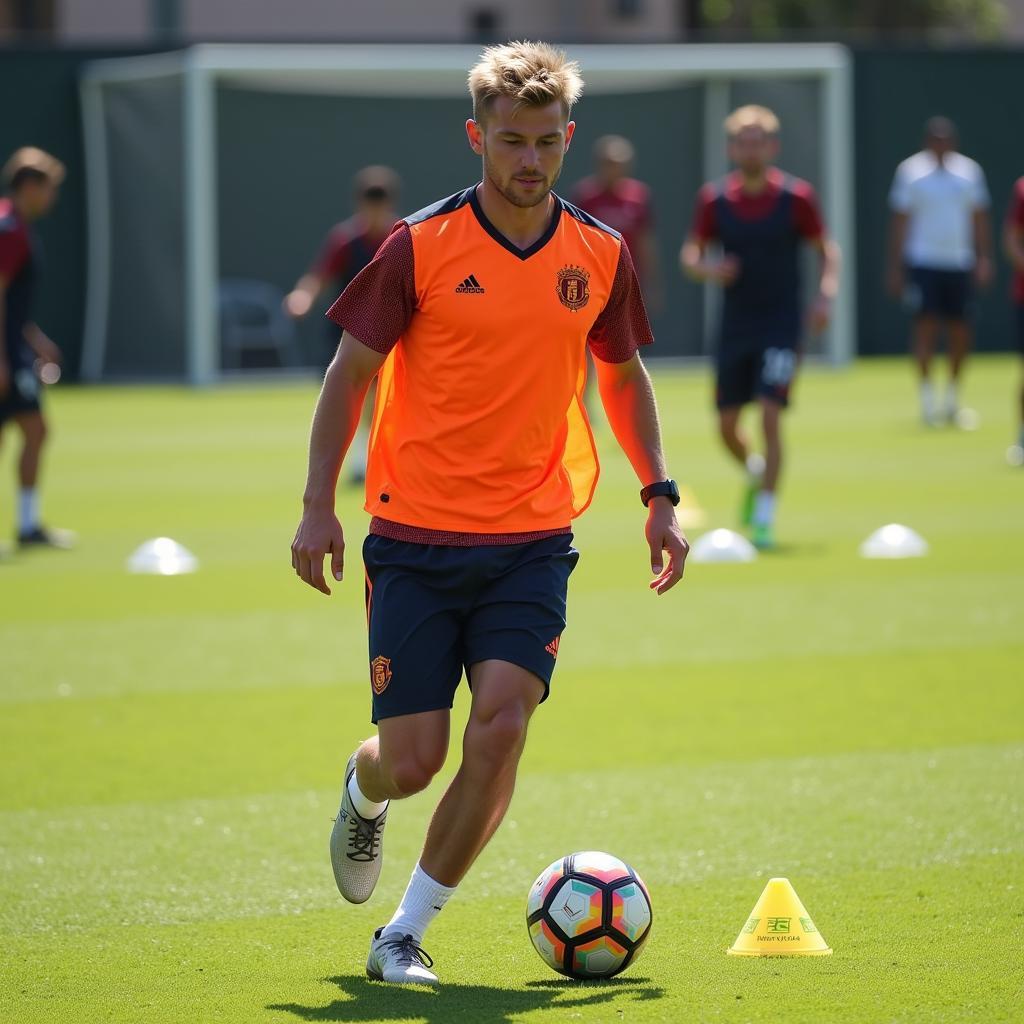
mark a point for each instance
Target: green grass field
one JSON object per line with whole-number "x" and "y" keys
{"x": 171, "y": 748}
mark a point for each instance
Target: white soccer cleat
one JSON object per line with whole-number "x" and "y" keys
{"x": 399, "y": 959}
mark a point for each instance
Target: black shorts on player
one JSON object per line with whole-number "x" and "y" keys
{"x": 434, "y": 610}
{"x": 23, "y": 394}
{"x": 942, "y": 293}
{"x": 747, "y": 372}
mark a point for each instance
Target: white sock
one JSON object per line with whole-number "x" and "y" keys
{"x": 1020, "y": 440}
{"x": 764, "y": 508}
{"x": 423, "y": 901}
{"x": 927, "y": 399}
{"x": 365, "y": 807}
{"x": 28, "y": 509}
{"x": 951, "y": 397}
{"x": 755, "y": 466}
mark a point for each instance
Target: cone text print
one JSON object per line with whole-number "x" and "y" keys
{"x": 779, "y": 925}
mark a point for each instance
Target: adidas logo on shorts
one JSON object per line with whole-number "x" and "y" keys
{"x": 471, "y": 286}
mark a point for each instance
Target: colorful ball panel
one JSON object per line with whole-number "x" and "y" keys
{"x": 598, "y": 959}
{"x": 602, "y": 866}
{"x": 631, "y": 911}
{"x": 548, "y": 945}
{"x": 546, "y": 881}
{"x": 577, "y": 907}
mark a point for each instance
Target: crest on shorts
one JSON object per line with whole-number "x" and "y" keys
{"x": 573, "y": 287}
{"x": 380, "y": 674}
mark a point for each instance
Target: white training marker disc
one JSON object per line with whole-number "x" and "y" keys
{"x": 722, "y": 546}
{"x": 894, "y": 541}
{"x": 162, "y": 556}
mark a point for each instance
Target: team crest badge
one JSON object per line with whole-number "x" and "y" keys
{"x": 380, "y": 674}
{"x": 573, "y": 287}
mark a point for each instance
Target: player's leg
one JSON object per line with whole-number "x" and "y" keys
{"x": 34, "y": 433}
{"x": 735, "y": 385}
{"x": 415, "y": 666}
{"x": 778, "y": 372}
{"x": 925, "y": 301}
{"x": 956, "y": 303}
{"x": 925, "y": 337}
{"x": 1015, "y": 453}
{"x": 511, "y": 636}
{"x": 504, "y": 698}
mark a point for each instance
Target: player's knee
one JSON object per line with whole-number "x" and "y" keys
{"x": 413, "y": 774}
{"x": 499, "y": 738}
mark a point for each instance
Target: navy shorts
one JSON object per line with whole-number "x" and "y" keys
{"x": 434, "y": 611}
{"x": 23, "y": 395}
{"x": 943, "y": 293}
{"x": 747, "y": 372}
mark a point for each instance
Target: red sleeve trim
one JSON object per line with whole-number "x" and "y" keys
{"x": 1015, "y": 215}
{"x": 334, "y": 254}
{"x": 622, "y": 326}
{"x": 14, "y": 253}
{"x": 806, "y": 214}
{"x": 377, "y": 306}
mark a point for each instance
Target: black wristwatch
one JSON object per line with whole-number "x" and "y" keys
{"x": 662, "y": 489}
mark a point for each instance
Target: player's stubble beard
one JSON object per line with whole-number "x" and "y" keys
{"x": 508, "y": 190}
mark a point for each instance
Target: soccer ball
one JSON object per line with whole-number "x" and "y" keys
{"x": 589, "y": 915}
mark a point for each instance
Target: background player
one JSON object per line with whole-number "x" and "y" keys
{"x": 940, "y": 232}
{"x": 614, "y": 197}
{"x": 477, "y": 313}
{"x": 760, "y": 216}
{"x": 1013, "y": 242}
{"x": 348, "y": 247}
{"x": 33, "y": 179}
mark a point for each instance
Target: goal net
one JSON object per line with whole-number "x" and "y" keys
{"x": 224, "y": 164}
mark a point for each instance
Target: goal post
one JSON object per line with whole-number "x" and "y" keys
{"x": 163, "y": 116}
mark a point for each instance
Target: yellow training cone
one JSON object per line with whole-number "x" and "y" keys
{"x": 779, "y": 925}
{"x": 689, "y": 513}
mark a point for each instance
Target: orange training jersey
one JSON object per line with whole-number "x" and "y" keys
{"x": 479, "y": 427}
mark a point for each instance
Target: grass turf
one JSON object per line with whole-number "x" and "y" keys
{"x": 170, "y": 749}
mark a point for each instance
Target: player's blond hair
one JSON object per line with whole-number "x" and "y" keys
{"x": 751, "y": 116}
{"x": 533, "y": 74}
{"x": 33, "y": 162}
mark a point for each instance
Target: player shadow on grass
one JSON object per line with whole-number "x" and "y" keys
{"x": 479, "y": 1004}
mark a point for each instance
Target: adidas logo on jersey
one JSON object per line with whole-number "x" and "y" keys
{"x": 471, "y": 286}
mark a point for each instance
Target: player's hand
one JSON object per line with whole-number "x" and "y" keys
{"x": 895, "y": 283}
{"x": 820, "y": 314}
{"x": 297, "y": 303}
{"x": 984, "y": 272}
{"x": 318, "y": 535}
{"x": 663, "y": 534}
{"x": 725, "y": 271}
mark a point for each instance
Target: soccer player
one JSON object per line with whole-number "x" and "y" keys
{"x": 940, "y": 235}
{"x": 349, "y": 246}
{"x": 759, "y": 216}
{"x": 611, "y": 195}
{"x": 476, "y": 313}
{"x": 33, "y": 180}
{"x": 1013, "y": 241}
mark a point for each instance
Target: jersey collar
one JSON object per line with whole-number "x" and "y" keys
{"x": 523, "y": 254}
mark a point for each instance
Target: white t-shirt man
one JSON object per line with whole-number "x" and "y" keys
{"x": 939, "y": 199}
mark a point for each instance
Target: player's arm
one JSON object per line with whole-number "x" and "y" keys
{"x": 1013, "y": 244}
{"x": 334, "y": 425}
{"x": 628, "y": 399}
{"x": 894, "y": 282}
{"x": 300, "y": 299}
{"x": 697, "y": 261}
{"x": 829, "y": 263}
{"x": 984, "y": 269}
{"x": 40, "y": 343}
